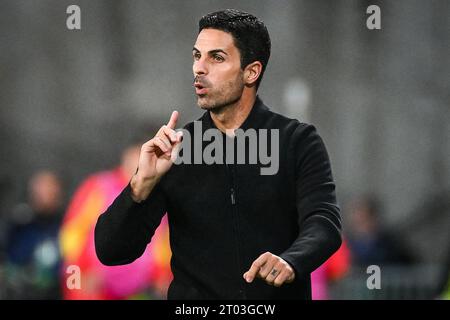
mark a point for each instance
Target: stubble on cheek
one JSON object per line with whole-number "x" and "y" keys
{"x": 227, "y": 94}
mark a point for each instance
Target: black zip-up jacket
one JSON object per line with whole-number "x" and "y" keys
{"x": 222, "y": 217}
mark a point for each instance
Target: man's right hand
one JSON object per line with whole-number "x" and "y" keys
{"x": 156, "y": 158}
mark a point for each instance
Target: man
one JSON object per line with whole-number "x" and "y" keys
{"x": 235, "y": 233}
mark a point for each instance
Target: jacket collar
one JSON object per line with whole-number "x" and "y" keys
{"x": 254, "y": 120}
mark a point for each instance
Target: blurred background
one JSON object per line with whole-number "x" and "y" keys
{"x": 76, "y": 104}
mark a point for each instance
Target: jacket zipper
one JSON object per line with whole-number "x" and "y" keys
{"x": 231, "y": 170}
{"x": 233, "y": 200}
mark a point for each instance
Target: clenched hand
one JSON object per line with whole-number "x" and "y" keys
{"x": 272, "y": 269}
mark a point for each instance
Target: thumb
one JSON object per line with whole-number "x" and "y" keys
{"x": 176, "y": 146}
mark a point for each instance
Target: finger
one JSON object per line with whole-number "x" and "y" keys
{"x": 170, "y": 133}
{"x": 281, "y": 278}
{"x": 165, "y": 140}
{"x": 163, "y": 146}
{"x": 264, "y": 272}
{"x": 179, "y": 136}
{"x": 256, "y": 265}
{"x": 252, "y": 272}
{"x": 176, "y": 147}
{"x": 290, "y": 277}
{"x": 158, "y": 143}
{"x": 173, "y": 120}
{"x": 273, "y": 272}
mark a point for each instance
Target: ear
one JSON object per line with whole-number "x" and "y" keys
{"x": 252, "y": 72}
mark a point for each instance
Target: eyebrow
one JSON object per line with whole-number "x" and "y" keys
{"x": 211, "y": 51}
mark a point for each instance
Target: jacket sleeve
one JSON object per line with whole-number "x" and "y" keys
{"x": 123, "y": 231}
{"x": 318, "y": 213}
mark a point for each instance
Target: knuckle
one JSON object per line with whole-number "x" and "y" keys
{"x": 148, "y": 144}
{"x": 273, "y": 263}
{"x": 157, "y": 140}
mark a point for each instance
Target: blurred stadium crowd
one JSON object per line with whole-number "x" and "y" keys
{"x": 42, "y": 236}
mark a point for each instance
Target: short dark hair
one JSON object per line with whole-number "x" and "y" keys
{"x": 249, "y": 33}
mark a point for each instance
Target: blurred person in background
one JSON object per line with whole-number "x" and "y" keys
{"x": 369, "y": 242}
{"x": 32, "y": 252}
{"x": 146, "y": 278}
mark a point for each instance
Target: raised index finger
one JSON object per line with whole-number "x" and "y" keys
{"x": 173, "y": 120}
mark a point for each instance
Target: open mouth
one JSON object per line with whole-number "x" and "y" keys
{"x": 200, "y": 89}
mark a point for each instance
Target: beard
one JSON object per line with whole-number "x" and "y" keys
{"x": 225, "y": 96}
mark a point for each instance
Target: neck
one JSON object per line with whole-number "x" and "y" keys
{"x": 232, "y": 116}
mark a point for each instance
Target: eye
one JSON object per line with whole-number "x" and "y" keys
{"x": 196, "y": 55}
{"x": 218, "y": 58}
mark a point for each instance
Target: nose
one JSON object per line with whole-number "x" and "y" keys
{"x": 199, "y": 67}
